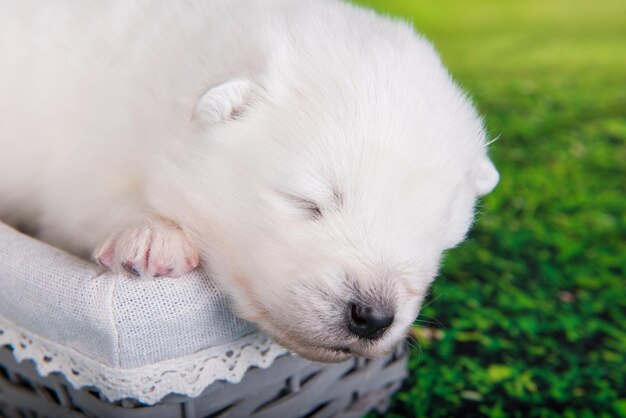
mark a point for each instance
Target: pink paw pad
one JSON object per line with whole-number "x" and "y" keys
{"x": 156, "y": 249}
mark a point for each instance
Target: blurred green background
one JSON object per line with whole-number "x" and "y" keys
{"x": 527, "y": 318}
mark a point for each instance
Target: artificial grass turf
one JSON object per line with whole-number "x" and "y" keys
{"x": 527, "y": 318}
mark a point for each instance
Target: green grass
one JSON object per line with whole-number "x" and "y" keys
{"x": 527, "y": 318}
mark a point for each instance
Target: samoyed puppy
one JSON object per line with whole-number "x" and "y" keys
{"x": 313, "y": 157}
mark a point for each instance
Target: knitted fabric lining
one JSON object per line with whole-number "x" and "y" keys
{"x": 127, "y": 337}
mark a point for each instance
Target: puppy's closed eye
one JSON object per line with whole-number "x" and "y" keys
{"x": 311, "y": 208}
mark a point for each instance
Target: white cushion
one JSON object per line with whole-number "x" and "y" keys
{"x": 114, "y": 321}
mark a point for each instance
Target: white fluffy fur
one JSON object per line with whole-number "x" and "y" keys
{"x": 307, "y": 150}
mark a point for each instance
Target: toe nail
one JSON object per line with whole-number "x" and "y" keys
{"x": 101, "y": 262}
{"x": 130, "y": 267}
{"x": 163, "y": 272}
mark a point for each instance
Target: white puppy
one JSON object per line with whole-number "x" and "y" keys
{"x": 317, "y": 158}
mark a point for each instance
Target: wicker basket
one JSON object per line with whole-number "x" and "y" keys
{"x": 291, "y": 387}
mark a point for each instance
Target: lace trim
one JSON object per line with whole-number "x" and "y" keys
{"x": 188, "y": 375}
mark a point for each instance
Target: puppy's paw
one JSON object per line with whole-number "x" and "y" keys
{"x": 157, "y": 248}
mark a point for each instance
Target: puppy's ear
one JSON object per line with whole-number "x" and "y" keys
{"x": 485, "y": 176}
{"x": 224, "y": 101}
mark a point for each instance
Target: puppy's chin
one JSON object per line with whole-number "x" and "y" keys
{"x": 318, "y": 353}
{"x": 331, "y": 353}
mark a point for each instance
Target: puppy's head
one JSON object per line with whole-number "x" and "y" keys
{"x": 322, "y": 197}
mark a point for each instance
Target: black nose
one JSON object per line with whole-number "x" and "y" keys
{"x": 367, "y": 322}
